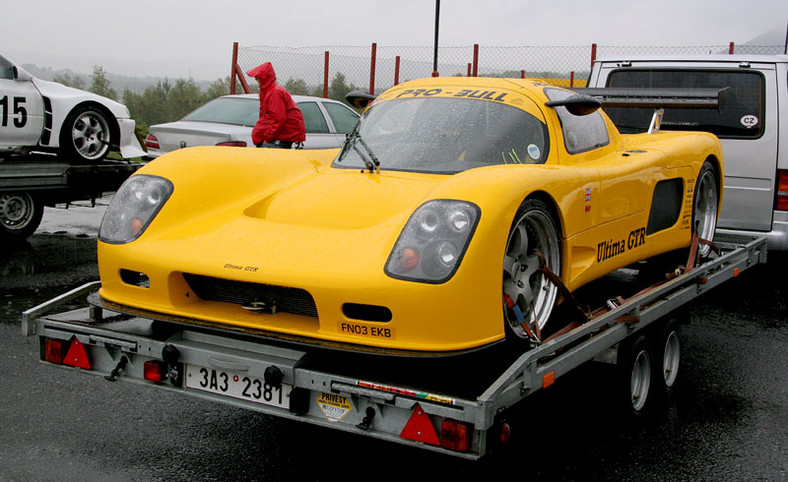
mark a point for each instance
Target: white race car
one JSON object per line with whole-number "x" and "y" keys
{"x": 37, "y": 115}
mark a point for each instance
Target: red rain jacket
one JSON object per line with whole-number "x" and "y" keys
{"x": 280, "y": 118}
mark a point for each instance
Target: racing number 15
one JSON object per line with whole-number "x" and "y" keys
{"x": 20, "y": 113}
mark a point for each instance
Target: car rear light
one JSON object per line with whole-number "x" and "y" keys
{"x": 782, "y": 190}
{"x": 151, "y": 142}
{"x": 155, "y": 371}
{"x": 232, "y": 144}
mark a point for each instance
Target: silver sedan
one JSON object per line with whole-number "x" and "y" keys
{"x": 228, "y": 121}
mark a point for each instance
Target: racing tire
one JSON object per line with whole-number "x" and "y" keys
{"x": 20, "y": 215}
{"x": 86, "y": 135}
{"x": 635, "y": 361}
{"x": 705, "y": 206}
{"x": 529, "y": 294}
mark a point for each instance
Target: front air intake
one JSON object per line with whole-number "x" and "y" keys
{"x": 286, "y": 300}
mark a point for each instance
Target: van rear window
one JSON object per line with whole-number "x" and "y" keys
{"x": 741, "y": 117}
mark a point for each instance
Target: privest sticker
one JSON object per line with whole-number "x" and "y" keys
{"x": 334, "y": 406}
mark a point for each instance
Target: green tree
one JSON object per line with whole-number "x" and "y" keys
{"x": 100, "y": 84}
{"x": 66, "y": 79}
{"x": 296, "y": 87}
{"x": 339, "y": 87}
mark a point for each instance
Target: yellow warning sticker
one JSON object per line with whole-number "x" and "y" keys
{"x": 334, "y": 406}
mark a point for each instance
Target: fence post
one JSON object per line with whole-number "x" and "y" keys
{"x": 572, "y": 78}
{"x": 522, "y": 74}
{"x": 325, "y": 76}
{"x": 593, "y": 55}
{"x": 372, "y": 68}
{"x": 730, "y": 49}
{"x": 475, "y": 60}
{"x": 396, "y": 70}
{"x": 232, "y": 69}
{"x": 469, "y": 69}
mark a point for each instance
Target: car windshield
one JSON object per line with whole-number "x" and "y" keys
{"x": 227, "y": 110}
{"x": 446, "y": 135}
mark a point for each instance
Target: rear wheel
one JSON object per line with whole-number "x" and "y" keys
{"x": 528, "y": 293}
{"x": 705, "y": 206}
{"x": 20, "y": 215}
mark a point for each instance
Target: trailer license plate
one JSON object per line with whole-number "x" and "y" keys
{"x": 237, "y": 385}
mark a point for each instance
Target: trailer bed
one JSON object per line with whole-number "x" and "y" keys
{"x": 451, "y": 404}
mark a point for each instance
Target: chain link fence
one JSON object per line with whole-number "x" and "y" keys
{"x": 351, "y": 67}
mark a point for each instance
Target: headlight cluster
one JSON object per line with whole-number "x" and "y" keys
{"x": 433, "y": 242}
{"x": 133, "y": 207}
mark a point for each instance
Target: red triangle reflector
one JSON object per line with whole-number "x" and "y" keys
{"x": 420, "y": 428}
{"x": 77, "y": 356}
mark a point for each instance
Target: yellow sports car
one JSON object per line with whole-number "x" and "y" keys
{"x": 457, "y": 215}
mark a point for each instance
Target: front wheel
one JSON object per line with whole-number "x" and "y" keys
{"x": 528, "y": 292}
{"x": 85, "y": 135}
{"x": 20, "y": 215}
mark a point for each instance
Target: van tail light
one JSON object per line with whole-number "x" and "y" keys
{"x": 782, "y": 190}
{"x": 152, "y": 142}
{"x": 232, "y": 144}
{"x": 454, "y": 435}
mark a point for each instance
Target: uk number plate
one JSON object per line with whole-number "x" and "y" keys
{"x": 237, "y": 385}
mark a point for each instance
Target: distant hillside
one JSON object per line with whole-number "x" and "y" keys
{"x": 120, "y": 83}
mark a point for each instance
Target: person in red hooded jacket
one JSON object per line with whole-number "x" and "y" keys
{"x": 281, "y": 123}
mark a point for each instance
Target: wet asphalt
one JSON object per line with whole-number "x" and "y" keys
{"x": 727, "y": 419}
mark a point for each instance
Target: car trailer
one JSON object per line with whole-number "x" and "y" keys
{"x": 398, "y": 399}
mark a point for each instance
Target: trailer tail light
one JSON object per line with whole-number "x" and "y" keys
{"x": 232, "y": 144}
{"x": 782, "y": 190}
{"x": 152, "y": 142}
{"x": 155, "y": 371}
{"x": 454, "y": 435}
{"x": 54, "y": 351}
{"x": 62, "y": 352}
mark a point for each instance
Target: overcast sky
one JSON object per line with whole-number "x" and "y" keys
{"x": 194, "y": 38}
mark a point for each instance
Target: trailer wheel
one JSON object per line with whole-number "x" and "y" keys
{"x": 635, "y": 364}
{"x": 528, "y": 293}
{"x": 669, "y": 348}
{"x": 20, "y": 215}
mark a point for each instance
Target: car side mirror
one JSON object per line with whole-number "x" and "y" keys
{"x": 577, "y": 104}
{"x": 359, "y": 98}
{"x": 21, "y": 74}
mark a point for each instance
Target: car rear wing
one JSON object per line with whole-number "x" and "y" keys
{"x": 658, "y": 99}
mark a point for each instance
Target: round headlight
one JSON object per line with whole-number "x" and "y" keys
{"x": 459, "y": 221}
{"x": 429, "y": 220}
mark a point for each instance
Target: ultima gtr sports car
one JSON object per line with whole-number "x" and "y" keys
{"x": 458, "y": 213}
{"x": 37, "y": 114}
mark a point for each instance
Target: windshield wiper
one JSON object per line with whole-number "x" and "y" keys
{"x": 367, "y": 155}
